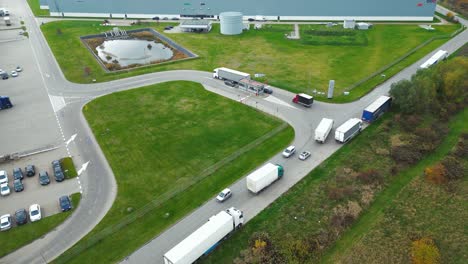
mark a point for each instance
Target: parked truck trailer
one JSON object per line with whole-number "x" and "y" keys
{"x": 263, "y": 177}
{"x": 303, "y": 99}
{"x": 323, "y": 129}
{"x": 231, "y": 75}
{"x": 376, "y": 109}
{"x": 7, "y": 20}
{"x": 348, "y": 130}
{"x": 205, "y": 238}
{"x": 5, "y": 102}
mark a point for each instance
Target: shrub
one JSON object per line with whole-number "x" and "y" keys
{"x": 424, "y": 251}
{"x": 299, "y": 250}
{"x": 339, "y": 193}
{"x": 260, "y": 250}
{"x": 406, "y": 154}
{"x": 454, "y": 168}
{"x": 370, "y": 176}
{"x": 436, "y": 174}
{"x": 461, "y": 150}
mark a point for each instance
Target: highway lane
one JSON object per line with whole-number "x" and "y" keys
{"x": 99, "y": 187}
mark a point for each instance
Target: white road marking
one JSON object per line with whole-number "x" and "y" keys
{"x": 71, "y": 139}
{"x": 275, "y": 100}
{"x": 58, "y": 102}
{"x": 83, "y": 168}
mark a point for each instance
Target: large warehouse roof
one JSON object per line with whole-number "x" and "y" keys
{"x": 268, "y": 8}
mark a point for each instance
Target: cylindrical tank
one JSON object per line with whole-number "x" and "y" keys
{"x": 231, "y": 23}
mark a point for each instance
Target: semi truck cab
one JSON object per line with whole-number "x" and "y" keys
{"x": 237, "y": 216}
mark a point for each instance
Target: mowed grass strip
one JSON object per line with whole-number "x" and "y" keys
{"x": 19, "y": 236}
{"x": 371, "y": 217}
{"x": 295, "y": 65}
{"x": 160, "y": 137}
{"x": 35, "y": 8}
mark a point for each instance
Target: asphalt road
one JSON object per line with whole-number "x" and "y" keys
{"x": 99, "y": 186}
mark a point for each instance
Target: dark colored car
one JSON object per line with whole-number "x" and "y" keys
{"x": 155, "y": 18}
{"x": 44, "y": 178}
{"x": 18, "y": 185}
{"x": 65, "y": 203}
{"x": 58, "y": 173}
{"x": 230, "y": 83}
{"x": 18, "y": 174}
{"x": 267, "y": 90}
{"x": 251, "y": 20}
{"x": 56, "y": 163}
{"x": 30, "y": 170}
{"x": 21, "y": 217}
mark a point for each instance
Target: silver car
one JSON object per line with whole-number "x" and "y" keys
{"x": 224, "y": 195}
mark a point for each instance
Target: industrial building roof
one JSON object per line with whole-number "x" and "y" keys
{"x": 414, "y": 8}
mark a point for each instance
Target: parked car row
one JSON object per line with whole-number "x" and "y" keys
{"x": 30, "y": 171}
{"x": 14, "y": 73}
{"x": 34, "y": 214}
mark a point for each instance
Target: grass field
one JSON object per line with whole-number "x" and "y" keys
{"x": 304, "y": 211}
{"x": 159, "y": 140}
{"x": 68, "y": 167}
{"x": 303, "y": 65}
{"x": 34, "y": 5}
{"x": 393, "y": 209}
{"x": 22, "y": 235}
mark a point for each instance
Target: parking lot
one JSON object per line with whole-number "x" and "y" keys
{"x": 30, "y": 126}
{"x": 46, "y": 196}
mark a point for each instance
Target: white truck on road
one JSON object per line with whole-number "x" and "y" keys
{"x": 323, "y": 129}
{"x": 206, "y": 238}
{"x": 230, "y": 75}
{"x": 348, "y": 130}
{"x": 266, "y": 175}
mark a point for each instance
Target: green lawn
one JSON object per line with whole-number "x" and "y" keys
{"x": 386, "y": 209}
{"x": 302, "y": 65}
{"x": 22, "y": 235}
{"x": 171, "y": 146}
{"x": 68, "y": 167}
{"x": 34, "y": 5}
{"x": 305, "y": 210}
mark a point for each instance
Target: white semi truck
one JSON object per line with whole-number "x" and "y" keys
{"x": 230, "y": 75}
{"x": 323, "y": 129}
{"x": 348, "y": 130}
{"x": 266, "y": 175}
{"x": 205, "y": 238}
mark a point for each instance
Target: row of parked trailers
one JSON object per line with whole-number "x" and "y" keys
{"x": 353, "y": 126}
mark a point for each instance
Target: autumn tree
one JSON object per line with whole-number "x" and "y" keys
{"x": 424, "y": 251}
{"x": 436, "y": 174}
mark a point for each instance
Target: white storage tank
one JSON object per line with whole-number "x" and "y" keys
{"x": 231, "y": 23}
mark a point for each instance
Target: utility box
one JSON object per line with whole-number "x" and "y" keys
{"x": 331, "y": 88}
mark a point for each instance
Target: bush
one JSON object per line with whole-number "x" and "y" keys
{"x": 406, "y": 154}
{"x": 409, "y": 122}
{"x": 260, "y": 250}
{"x": 436, "y": 174}
{"x": 370, "y": 177}
{"x": 454, "y": 168}
{"x": 340, "y": 193}
{"x": 461, "y": 150}
{"x": 424, "y": 251}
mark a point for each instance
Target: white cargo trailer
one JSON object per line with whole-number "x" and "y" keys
{"x": 434, "y": 59}
{"x": 323, "y": 129}
{"x": 205, "y": 238}
{"x": 348, "y": 130}
{"x": 266, "y": 175}
{"x": 231, "y": 75}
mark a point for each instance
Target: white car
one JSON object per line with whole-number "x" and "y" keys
{"x": 4, "y": 189}
{"x": 5, "y": 222}
{"x": 3, "y": 177}
{"x": 289, "y": 151}
{"x": 224, "y": 195}
{"x": 304, "y": 155}
{"x": 35, "y": 213}
{"x": 18, "y": 69}
{"x": 14, "y": 74}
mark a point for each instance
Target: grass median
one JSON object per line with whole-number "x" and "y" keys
{"x": 301, "y": 65}
{"x": 165, "y": 144}
{"x": 20, "y": 236}
{"x": 35, "y": 8}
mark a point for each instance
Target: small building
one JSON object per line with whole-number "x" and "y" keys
{"x": 363, "y": 26}
{"x": 195, "y": 25}
{"x": 349, "y": 23}
{"x": 251, "y": 86}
